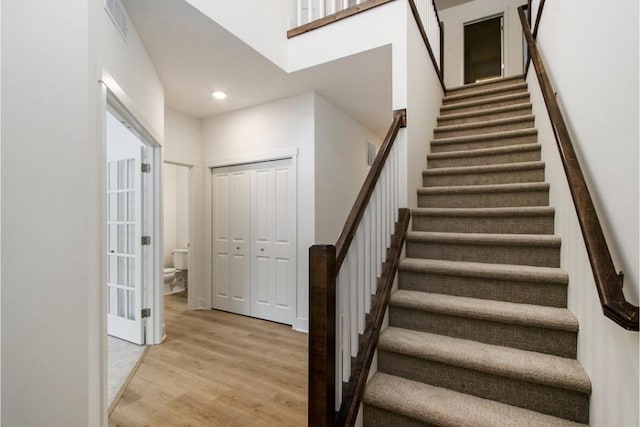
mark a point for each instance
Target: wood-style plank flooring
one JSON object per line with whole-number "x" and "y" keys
{"x": 218, "y": 369}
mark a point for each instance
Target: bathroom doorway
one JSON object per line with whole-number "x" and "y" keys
{"x": 176, "y": 228}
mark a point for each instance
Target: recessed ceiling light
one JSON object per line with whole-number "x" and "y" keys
{"x": 219, "y": 95}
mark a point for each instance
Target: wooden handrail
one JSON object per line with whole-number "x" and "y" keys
{"x": 535, "y": 31}
{"x": 354, "y": 391}
{"x": 425, "y": 39}
{"x": 608, "y": 281}
{"x": 357, "y": 211}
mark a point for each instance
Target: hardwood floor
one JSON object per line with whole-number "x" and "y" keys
{"x": 218, "y": 369}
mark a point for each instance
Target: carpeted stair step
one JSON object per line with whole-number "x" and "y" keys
{"x": 485, "y": 156}
{"x": 483, "y": 104}
{"x": 539, "y": 382}
{"x": 394, "y": 401}
{"x": 486, "y": 84}
{"x": 485, "y": 196}
{"x": 487, "y": 140}
{"x": 502, "y": 282}
{"x": 483, "y": 93}
{"x": 488, "y": 126}
{"x": 486, "y": 114}
{"x": 509, "y": 173}
{"x": 548, "y": 330}
{"x": 518, "y": 249}
{"x": 520, "y": 220}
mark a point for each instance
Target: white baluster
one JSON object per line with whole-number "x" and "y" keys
{"x": 366, "y": 220}
{"x": 379, "y": 242}
{"x": 345, "y": 4}
{"x": 322, "y": 9}
{"x": 309, "y": 11}
{"x": 363, "y": 295}
{"x": 346, "y": 320}
{"x": 353, "y": 299}
{"x": 299, "y": 12}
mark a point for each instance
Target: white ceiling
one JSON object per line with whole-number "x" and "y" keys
{"x": 193, "y": 55}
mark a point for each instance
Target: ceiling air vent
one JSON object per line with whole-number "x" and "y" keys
{"x": 118, "y": 15}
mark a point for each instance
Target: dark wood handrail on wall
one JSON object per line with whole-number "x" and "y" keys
{"x": 608, "y": 281}
{"x": 324, "y": 265}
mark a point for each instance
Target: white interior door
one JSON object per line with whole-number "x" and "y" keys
{"x": 124, "y": 252}
{"x": 231, "y": 221}
{"x": 254, "y": 243}
{"x": 273, "y": 278}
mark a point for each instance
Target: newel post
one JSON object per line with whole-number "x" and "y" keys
{"x": 322, "y": 336}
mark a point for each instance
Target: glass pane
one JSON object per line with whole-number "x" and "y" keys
{"x": 131, "y": 305}
{"x": 112, "y": 208}
{"x": 113, "y": 176}
{"x": 131, "y": 270}
{"x": 131, "y": 206}
{"x": 122, "y": 296}
{"x": 131, "y": 168}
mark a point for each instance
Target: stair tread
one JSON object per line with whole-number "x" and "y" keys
{"x": 485, "y": 238}
{"x": 487, "y": 82}
{"x": 485, "y": 188}
{"x": 486, "y": 112}
{"x": 485, "y": 123}
{"x": 485, "y": 151}
{"x": 487, "y": 91}
{"x": 486, "y": 136}
{"x": 484, "y": 212}
{"x": 484, "y": 168}
{"x": 439, "y": 406}
{"x": 492, "y": 310}
{"x": 508, "y": 362}
{"x": 474, "y": 103}
{"x": 486, "y": 270}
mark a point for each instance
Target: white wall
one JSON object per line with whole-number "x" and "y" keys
{"x": 454, "y": 19}
{"x": 183, "y": 146}
{"x": 340, "y": 165}
{"x": 54, "y": 159}
{"x": 49, "y": 245}
{"x": 258, "y": 131}
{"x": 600, "y": 105}
{"x": 423, "y": 105}
{"x": 129, "y": 64}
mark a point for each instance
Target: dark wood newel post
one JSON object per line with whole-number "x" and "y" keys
{"x": 322, "y": 336}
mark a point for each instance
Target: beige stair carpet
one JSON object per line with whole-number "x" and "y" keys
{"x": 479, "y": 333}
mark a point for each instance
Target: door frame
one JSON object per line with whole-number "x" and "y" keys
{"x": 115, "y": 99}
{"x": 290, "y": 153}
{"x": 192, "y": 265}
{"x": 503, "y": 22}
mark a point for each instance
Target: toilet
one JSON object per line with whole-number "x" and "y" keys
{"x": 175, "y": 278}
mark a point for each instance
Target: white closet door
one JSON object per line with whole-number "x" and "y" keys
{"x": 231, "y": 207}
{"x": 273, "y": 278}
{"x": 254, "y": 243}
{"x": 124, "y": 256}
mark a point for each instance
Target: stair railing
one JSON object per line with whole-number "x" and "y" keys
{"x": 608, "y": 280}
{"x": 350, "y": 284}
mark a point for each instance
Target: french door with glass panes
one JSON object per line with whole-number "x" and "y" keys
{"x": 125, "y": 250}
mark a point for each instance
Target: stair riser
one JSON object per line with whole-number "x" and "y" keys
{"x": 549, "y": 400}
{"x": 488, "y": 178}
{"x": 532, "y": 338}
{"x": 483, "y": 130}
{"x": 488, "y": 143}
{"x": 485, "y": 200}
{"x": 490, "y": 103}
{"x": 444, "y": 121}
{"x": 451, "y": 99}
{"x": 496, "y": 83}
{"x": 479, "y": 224}
{"x": 537, "y": 256}
{"x": 377, "y": 417}
{"x": 551, "y": 295}
{"x": 491, "y": 159}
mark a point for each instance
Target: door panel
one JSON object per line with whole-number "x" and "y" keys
{"x": 259, "y": 249}
{"x": 124, "y": 254}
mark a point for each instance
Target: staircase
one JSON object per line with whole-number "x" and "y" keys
{"x": 479, "y": 333}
